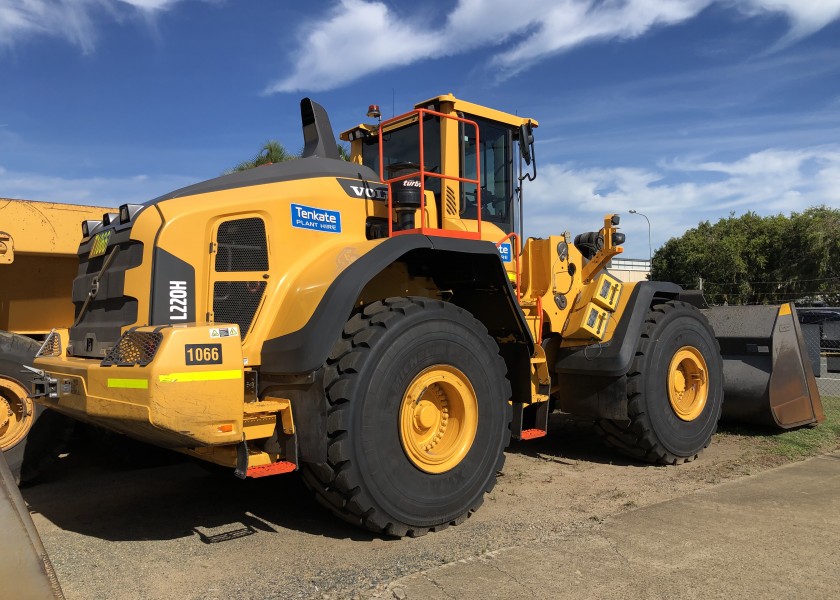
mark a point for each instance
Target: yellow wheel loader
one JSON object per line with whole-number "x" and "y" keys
{"x": 38, "y": 245}
{"x": 381, "y": 324}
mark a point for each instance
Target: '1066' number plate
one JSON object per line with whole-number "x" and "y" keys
{"x": 203, "y": 354}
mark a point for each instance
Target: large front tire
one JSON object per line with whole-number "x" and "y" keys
{"x": 418, "y": 418}
{"x": 674, "y": 389}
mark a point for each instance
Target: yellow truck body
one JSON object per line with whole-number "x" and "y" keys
{"x": 38, "y": 261}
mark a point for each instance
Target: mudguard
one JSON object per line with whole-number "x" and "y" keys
{"x": 592, "y": 379}
{"x": 471, "y": 269}
{"x": 613, "y": 358}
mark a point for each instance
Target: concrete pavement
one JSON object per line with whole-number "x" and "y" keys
{"x": 773, "y": 535}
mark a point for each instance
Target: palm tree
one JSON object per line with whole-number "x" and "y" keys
{"x": 271, "y": 152}
{"x": 343, "y": 152}
{"x": 274, "y": 152}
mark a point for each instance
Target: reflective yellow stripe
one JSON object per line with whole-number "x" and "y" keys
{"x": 784, "y": 309}
{"x": 137, "y": 384}
{"x": 201, "y": 376}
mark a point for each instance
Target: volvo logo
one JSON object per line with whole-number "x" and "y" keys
{"x": 372, "y": 193}
{"x": 359, "y": 188}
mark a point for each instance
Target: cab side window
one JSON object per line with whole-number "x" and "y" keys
{"x": 496, "y": 165}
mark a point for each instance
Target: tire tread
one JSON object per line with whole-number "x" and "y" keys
{"x": 634, "y": 437}
{"x": 333, "y": 484}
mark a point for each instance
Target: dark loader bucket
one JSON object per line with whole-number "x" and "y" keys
{"x": 767, "y": 376}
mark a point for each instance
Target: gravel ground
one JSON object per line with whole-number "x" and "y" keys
{"x": 178, "y": 531}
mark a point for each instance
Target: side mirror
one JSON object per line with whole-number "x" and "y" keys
{"x": 526, "y": 141}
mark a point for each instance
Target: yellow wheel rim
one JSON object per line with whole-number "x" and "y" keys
{"x": 688, "y": 383}
{"x": 438, "y": 419}
{"x": 17, "y": 413}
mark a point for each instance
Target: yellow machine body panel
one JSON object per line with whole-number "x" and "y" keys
{"x": 38, "y": 245}
{"x": 189, "y": 393}
{"x": 302, "y": 263}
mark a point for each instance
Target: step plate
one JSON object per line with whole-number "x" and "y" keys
{"x": 532, "y": 434}
{"x": 277, "y": 468}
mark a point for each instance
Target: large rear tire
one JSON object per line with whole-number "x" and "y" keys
{"x": 30, "y": 440}
{"x": 674, "y": 389}
{"x": 418, "y": 418}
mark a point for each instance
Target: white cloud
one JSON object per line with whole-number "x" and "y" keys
{"x": 96, "y": 191}
{"x": 675, "y": 196}
{"x": 356, "y": 38}
{"x": 360, "y": 37}
{"x": 681, "y": 193}
{"x": 68, "y": 19}
{"x": 806, "y": 17}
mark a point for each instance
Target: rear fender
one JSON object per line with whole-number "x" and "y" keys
{"x": 470, "y": 272}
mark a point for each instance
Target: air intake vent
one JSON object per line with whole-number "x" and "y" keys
{"x": 241, "y": 246}
{"x": 51, "y": 346}
{"x": 237, "y": 302}
{"x": 451, "y": 205}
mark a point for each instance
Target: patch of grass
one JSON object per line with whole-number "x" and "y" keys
{"x": 809, "y": 441}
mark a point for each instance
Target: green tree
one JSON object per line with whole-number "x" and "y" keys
{"x": 343, "y": 152}
{"x": 271, "y": 152}
{"x": 752, "y": 259}
{"x": 274, "y": 152}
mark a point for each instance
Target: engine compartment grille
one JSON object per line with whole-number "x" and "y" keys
{"x": 134, "y": 348}
{"x": 237, "y": 302}
{"x": 241, "y": 246}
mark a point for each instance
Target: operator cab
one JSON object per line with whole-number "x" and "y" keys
{"x": 464, "y": 156}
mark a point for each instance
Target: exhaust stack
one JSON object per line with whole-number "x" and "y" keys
{"x": 318, "y": 136}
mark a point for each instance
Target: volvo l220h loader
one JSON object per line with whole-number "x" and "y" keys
{"x": 380, "y": 324}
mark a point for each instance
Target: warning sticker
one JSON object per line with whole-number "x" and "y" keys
{"x": 221, "y": 332}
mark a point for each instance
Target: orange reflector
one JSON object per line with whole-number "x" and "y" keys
{"x": 225, "y": 428}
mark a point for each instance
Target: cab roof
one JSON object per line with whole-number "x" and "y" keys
{"x": 460, "y": 106}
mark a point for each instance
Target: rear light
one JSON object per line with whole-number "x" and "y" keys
{"x": 89, "y": 227}
{"x": 127, "y": 212}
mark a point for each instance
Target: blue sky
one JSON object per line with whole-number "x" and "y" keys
{"x": 683, "y": 110}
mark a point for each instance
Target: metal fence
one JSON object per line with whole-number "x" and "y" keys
{"x": 822, "y": 340}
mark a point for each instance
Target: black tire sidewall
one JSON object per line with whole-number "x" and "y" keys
{"x": 393, "y": 482}
{"x": 682, "y": 438}
{"x": 15, "y": 352}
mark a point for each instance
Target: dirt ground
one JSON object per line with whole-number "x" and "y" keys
{"x": 178, "y": 531}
